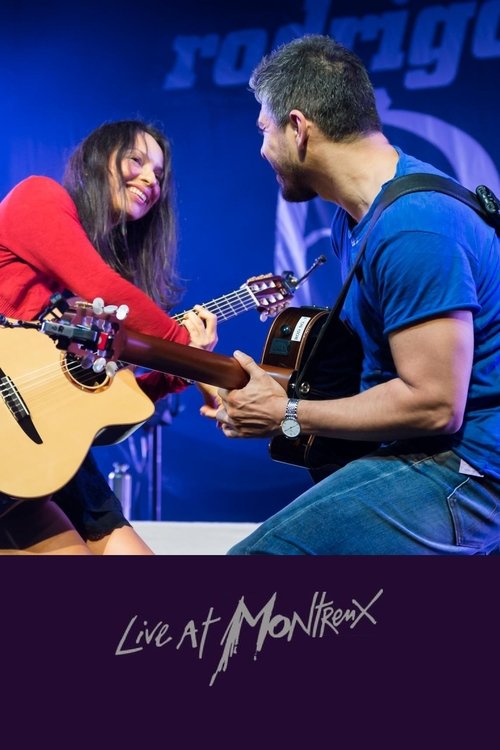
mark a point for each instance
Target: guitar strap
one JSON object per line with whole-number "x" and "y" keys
{"x": 483, "y": 201}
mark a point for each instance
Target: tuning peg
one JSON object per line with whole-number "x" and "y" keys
{"x": 111, "y": 368}
{"x": 110, "y": 309}
{"x": 98, "y": 305}
{"x": 87, "y": 361}
{"x": 99, "y": 364}
{"x": 122, "y": 312}
{"x": 264, "y": 316}
{"x": 258, "y": 278}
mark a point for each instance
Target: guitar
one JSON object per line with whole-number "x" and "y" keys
{"x": 289, "y": 343}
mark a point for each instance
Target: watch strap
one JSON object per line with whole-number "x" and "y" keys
{"x": 291, "y": 408}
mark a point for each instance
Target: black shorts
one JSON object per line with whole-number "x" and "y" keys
{"x": 87, "y": 501}
{"x": 90, "y": 504}
{"x": 24, "y": 523}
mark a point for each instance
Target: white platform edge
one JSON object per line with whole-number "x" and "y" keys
{"x": 191, "y": 538}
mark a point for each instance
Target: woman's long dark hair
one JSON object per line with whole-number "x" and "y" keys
{"x": 142, "y": 251}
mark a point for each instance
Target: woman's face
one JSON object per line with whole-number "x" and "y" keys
{"x": 139, "y": 189}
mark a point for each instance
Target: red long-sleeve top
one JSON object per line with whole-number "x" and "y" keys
{"x": 44, "y": 249}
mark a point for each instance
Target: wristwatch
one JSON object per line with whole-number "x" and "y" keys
{"x": 290, "y": 426}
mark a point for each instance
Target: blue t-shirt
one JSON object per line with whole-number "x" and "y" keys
{"x": 428, "y": 254}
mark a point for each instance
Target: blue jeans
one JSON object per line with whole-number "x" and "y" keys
{"x": 387, "y": 503}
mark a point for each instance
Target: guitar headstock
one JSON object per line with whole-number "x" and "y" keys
{"x": 91, "y": 332}
{"x": 272, "y": 293}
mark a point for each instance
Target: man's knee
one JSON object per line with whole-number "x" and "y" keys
{"x": 241, "y": 548}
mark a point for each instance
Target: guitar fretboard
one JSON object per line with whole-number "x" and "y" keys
{"x": 229, "y": 305}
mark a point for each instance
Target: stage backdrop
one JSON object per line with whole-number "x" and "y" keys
{"x": 66, "y": 68}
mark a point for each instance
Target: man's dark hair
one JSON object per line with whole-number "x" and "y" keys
{"x": 324, "y": 80}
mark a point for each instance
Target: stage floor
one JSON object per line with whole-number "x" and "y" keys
{"x": 191, "y": 538}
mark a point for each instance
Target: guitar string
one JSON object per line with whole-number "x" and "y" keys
{"x": 45, "y": 375}
{"x": 39, "y": 397}
{"x": 43, "y": 404}
{"x": 226, "y": 303}
{"x": 227, "y": 309}
{"x": 34, "y": 375}
{"x": 233, "y": 309}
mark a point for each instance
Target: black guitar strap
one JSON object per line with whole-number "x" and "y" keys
{"x": 483, "y": 201}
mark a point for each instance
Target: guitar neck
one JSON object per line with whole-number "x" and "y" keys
{"x": 182, "y": 361}
{"x": 191, "y": 363}
{"x": 229, "y": 305}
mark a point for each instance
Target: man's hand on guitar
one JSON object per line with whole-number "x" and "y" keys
{"x": 202, "y": 327}
{"x": 255, "y": 410}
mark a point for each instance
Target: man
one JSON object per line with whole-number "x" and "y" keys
{"x": 426, "y": 306}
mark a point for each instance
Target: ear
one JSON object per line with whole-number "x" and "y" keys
{"x": 300, "y": 127}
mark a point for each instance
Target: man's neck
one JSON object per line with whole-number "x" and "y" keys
{"x": 352, "y": 174}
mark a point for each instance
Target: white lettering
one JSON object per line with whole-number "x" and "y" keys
{"x": 182, "y": 75}
{"x": 299, "y": 329}
{"x": 315, "y": 21}
{"x": 391, "y": 26}
{"x": 438, "y": 41}
{"x": 239, "y": 54}
{"x": 435, "y": 48}
{"x": 486, "y": 41}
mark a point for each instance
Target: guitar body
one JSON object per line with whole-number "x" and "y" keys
{"x": 288, "y": 345}
{"x": 49, "y": 418}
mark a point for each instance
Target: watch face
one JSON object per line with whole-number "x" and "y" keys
{"x": 290, "y": 427}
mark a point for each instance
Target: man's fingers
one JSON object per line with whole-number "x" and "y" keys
{"x": 247, "y": 362}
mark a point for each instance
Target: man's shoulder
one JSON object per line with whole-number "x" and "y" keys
{"x": 408, "y": 164}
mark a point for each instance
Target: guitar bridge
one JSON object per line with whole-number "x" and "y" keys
{"x": 17, "y": 407}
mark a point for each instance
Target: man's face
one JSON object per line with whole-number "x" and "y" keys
{"x": 280, "y": 150}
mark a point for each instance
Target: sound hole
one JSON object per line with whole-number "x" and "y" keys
{"x": 83, "y": 376}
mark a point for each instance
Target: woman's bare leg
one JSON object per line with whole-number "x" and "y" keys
{"x": 122, "y": 541}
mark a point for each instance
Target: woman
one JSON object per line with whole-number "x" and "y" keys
{"x": 110, "y": 233}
